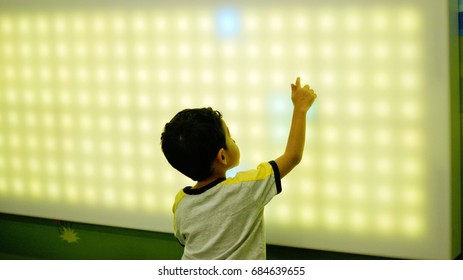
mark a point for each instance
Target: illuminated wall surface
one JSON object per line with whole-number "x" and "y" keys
{"x": 86, "y": 90}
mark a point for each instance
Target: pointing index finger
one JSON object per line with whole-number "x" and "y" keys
{"x": 298, "y": 82}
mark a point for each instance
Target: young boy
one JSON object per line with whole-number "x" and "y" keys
{"x": 222, "y": 218}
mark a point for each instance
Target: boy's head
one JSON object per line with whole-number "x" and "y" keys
{"x": 193, "y": 139}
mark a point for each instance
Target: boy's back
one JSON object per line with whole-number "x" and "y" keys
{"x": 224, "y": 220}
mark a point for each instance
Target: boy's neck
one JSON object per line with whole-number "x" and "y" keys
{"x": 209, "y": 180}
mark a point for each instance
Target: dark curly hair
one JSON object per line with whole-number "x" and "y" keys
{"x": 191, "y": 141}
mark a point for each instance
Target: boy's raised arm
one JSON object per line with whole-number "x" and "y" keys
{"x": 302, "y": 98}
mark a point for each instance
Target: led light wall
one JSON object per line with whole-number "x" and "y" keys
{"x": 86, "y": 90}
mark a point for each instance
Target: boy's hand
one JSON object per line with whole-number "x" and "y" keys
{"x": 302, "y": 97}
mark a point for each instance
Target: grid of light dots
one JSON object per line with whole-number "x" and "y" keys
{"x": 84, "y": 96}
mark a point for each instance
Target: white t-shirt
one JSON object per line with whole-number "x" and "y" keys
{"x": 224, "y": 220}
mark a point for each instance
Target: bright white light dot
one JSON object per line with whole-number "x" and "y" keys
{"x": 139, "y": 24}
{"x": 410, "y": 110}
{"x": 409, "y": 80}
{"x": 185, "y": 75}
{"x": 329, "y": 78}
{"x": 183, "y": 24}
{"x": 385, "y": 222}
{"x": 382, "y": 108}
{"x": 142, "y": 75}
{"x": 412, "y": 225}
{"x": 125, "y": 124}
{"x": 358, "y": 192}
{"x": 72, "y": 193}
{"x": 381, "y": 51}
{"x": 87, "y": 146}
{"x": 90, "y": 195}
{"x": 108, "y": 171}
{"x": 254, "y": 77}
{"x": 85, "y": 122}
{"x": 13, "y": 118}
{"x": 67, "y": 121}
{"x": 411, "y": 139}
{"x": 302, "y": 51}
{"x": 6, "y": 25}
{"x": 146, "y": 151}
{"x": 411, "y": 167}
{"x": 355, "y": 108}
{"x": 331, "y": 162}
{"x": 383, "y": 165}
{"x": 120, "y": 49}
{"x": 206, "y": 50}
{"x": 301, "y": 22}
{"x": 331, "y": 134}
{"x": 18, "y": 187}
{"x": 123, "y": 100}
{"x": 354, "y": 79}
{"x": 35, "y": 188}
{"x": 356, "y": 163}
{"x": 105, "y": 123}
{"x": 384, "y": 193}
{"x": 160, "y": 23}
{"x": 109, "y": 196}
{"x": 102, "y": 74}
{"x": 164, "y": 75}
{"x": 409, "y": 21}
{"x": 381, "y": 80}
{"x": 327, "y": 22}
{"x": 409, "y": 51}
{"x": 329, "y": 107}
{"x": 99, "y": 24}
{"x": 332, "y": 218}
{"x": 129, "y": 199}
{"x": 230, "y": 76}
{"x": 69, "y": 168}
{"x": 49, "y": 120}
{"x": 205, "y": 24}
{"x": 358, "y": 219}
{"x": 356, "y": 135}
{"x": 82, "y": 74}
{"x": 126, "y": 149}
{"x": 284, "y": 214}
{"x": 380, "y": 21}
{"x": 353, "y": 50}
{"x": 24, "y": 25}
{"x": 353, "y": 22}
{"x": 331, "y": 190}
{"x": 231, "y": 103}
{"x": 184, "y": 50}
{"x": 147, "y": 175}
{"x": 251, "y": 23}
{"x": 53, "y": 191}
{"x": 276, "y": 23}
{"x": 149, "y": 201}
{"x": 63, "y": 74}
{"x": 229, "y": 50}
{"x": 140, "y": 50}
{"x": 328, "y": 51}
{"x": 68, "y": 145}
{"x": 412, "y": 196}
{"x": 119, "y": 24}
{"x": 128, "y": 173}
{"x": 276, "y": 51}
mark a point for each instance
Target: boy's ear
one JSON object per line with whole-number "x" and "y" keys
{"x": 221, "y": 156}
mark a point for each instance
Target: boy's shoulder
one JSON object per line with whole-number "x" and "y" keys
{"x": 263, "y": 171}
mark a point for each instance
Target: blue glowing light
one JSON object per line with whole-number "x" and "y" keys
{"x": 228, "y": 22}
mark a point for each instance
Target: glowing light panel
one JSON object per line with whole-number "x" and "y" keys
{"x": 85, "y": 93}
